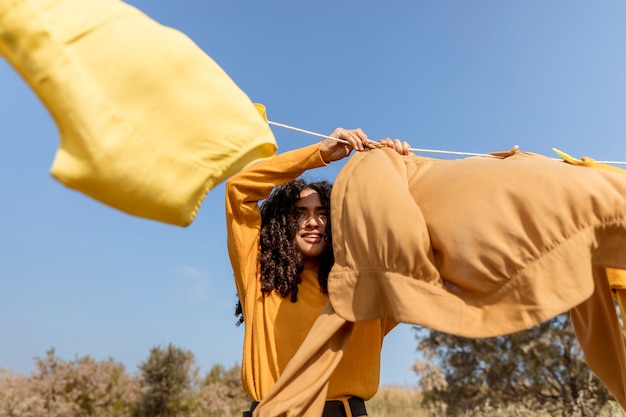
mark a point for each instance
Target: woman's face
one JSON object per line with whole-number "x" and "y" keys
{"x": 312, "y": 219}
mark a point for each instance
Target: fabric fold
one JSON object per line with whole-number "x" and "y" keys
{"x": 311, "y": 367}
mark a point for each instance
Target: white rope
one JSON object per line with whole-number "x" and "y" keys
{"x": 296, "y": 129}
{"x": 417, "y": 150}
{"x": 308, "y": 132}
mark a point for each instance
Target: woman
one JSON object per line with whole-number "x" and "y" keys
{"x": 281, "y": 254}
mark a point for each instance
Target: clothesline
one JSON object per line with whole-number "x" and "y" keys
{"x": 415, "y": 150}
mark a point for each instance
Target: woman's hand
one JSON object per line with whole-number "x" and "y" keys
{"x": 332, "y": 150}
{"x": 402, "y": 148}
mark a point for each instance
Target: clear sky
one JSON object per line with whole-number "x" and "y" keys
{"x": 455, "y": 75}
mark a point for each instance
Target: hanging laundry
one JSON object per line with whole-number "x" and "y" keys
{"x": 476, "y": 247}
{"x": 148, "y": 123}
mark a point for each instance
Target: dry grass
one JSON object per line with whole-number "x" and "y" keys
{"x": 396, "y": 401}
{"x": 399, "y": 401}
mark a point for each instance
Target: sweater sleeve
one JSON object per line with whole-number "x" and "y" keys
{"x": 243, "y": 216}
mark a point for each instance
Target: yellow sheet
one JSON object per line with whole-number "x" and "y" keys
{"x": 148, "y": 123}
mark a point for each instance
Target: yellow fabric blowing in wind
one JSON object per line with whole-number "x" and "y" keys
{"x": 148, "y": 123}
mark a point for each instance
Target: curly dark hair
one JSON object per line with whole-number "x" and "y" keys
{"x": 281, "y": 261}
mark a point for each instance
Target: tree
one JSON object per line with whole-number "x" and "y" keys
{"x": 542, "y": 367}
{"x": 221, "y": 392}
{"x": 168, "y": 384}
{"x": 166, "y": 381}
{"x": 59, "y": 388}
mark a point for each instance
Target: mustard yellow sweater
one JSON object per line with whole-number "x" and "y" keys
{"x": 274, "y": 326}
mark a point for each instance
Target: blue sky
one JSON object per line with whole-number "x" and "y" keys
{"x": 474, "y": 76}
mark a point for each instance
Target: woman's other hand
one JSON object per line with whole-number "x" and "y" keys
{"x": 401, "y": 147}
